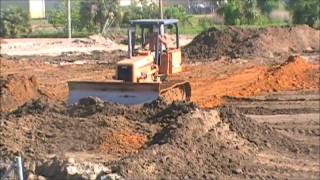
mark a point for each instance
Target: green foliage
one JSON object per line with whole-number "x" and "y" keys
{"x": 146, "y": 11}
{"x": 86, "y": 15}
{"x": 231, "y": 12}
{"x": 306, "y": 12}
{"x": 14, "y": 21}
{"x": 178, "y": 12}
{"x": 101, "y": 10}
{"x": 247, "y": 12}
{"x": 58, "y": 17}
{"x": 86, "y": 18}
{"x": 267, "y": 6}
{"x": 251, "y": 13}
{"x": 205, "y": 23}
{"x": 151, "y": 11}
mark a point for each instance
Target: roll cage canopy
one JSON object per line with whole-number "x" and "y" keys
{"x": 147, "y": 24}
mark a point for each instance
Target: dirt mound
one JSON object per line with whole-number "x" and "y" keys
{"x": 263, "y": 42}
{"x": 157, "y": 140}
{"x": 192, "y": 147}
{"x": 100, "y": 57}
{"x": 102, "y": 40}
{"x": 206, "y": 144}
{"x": 294, "y": 74}
{"x": 42, "y": 105}
{"x": 17, "y": 90}
{"x": 56, "y": 46}
{"x": 50, "y": 127}
{"x": 263, "y": 136}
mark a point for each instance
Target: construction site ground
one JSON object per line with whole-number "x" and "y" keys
{"x": 250, "y": 117}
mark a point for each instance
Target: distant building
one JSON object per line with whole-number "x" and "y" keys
{"x": 184, "y": 3}
{"x": 193, "y": 6}
{"x": 125, "y": 2}
{"x": 131, "y": 2}
{"x": 38, "y": 9}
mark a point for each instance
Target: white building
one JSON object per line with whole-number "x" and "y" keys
{"x": 137, "y": 2}
{"x": 37, "y": 8}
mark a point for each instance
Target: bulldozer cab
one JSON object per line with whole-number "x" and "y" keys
{"x": 158, "y": 26}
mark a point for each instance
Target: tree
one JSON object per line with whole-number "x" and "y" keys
{"x": 267, "y": 6}
{"x": 104, "y": 9}
{"x": 14, "y": 21}
{"x": 178, "y": 12}
{"x": 306, "y": 12}
{"x": 251, "y": 12}
{"x": 231, "y": 12}
{"x": 58, "y": 17}
{"x": 237, "y": 12}
{"x": 142, "y": 10}
{"x": 86, "y": 15}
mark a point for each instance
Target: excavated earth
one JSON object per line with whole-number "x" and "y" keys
{"x": 269, "y": 43}
{"x": 170, "y": 141}
{"x": 256, "y": 118}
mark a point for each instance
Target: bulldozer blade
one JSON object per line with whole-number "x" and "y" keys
{"x": 176, "y": 90}
{"x": 116, "y": 92}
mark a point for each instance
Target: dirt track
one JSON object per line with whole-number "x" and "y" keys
{"x": 295, "y": 115}
{"x": 252, "y": 118}
{"x": 228, "y": 79}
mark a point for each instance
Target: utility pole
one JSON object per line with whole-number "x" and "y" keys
{"x": 161, "y": 9}
{"x": 69, "y": 19}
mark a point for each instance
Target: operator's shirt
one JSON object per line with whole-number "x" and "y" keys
{"x": 153, "y": 40}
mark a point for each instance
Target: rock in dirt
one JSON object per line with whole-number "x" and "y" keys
{"x": 112, "y": 177}
{"x": 60, "y": 169}
{"x": 237, "y": 42}
{"x": 41, "y": 178}
{"x": 52, "y": 169}
{"x": 86, "y": 107}
{"x": 86, "y": 170}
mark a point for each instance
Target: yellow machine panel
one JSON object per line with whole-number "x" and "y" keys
{"x": 176, "y": 61}
{"x": 171, "y": 62}
{"x": 136, "y": 69}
